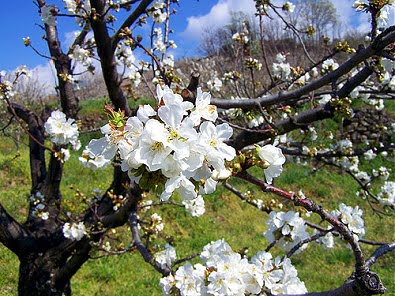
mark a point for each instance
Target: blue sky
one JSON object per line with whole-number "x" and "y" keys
{"x": 19, "y": 18}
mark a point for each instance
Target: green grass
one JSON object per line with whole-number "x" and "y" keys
{"x": 226, "y": 217}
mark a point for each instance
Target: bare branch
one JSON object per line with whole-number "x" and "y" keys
{"x": 380, "y": 252}
{"x": 14, "y": 235}
{"x": 105, "y": 50}
{"x": 133, "y": 220}
{"x": 387, "y": 37}
{"x": 131, "y": 19}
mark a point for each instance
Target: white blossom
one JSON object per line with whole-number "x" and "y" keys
{"x": 282, "y": 71}
{"x": 166, "y": 257}
{"x": 387, "y": 194}
{"x": 178, "y": 143}
{"x": 48, "y": 14}
{"x": 382, "y": 172}
{"x": 81, "y": 55}
{"x": 273, "y": 159}
{"x": 203, "y": 108}
{"x": 214, "y": 84}
{"x": 61, "y": 130}
{"x": 74, "y": 231}
{"x": 286, "y": 227}
{"x": 288, "y": 6}
{"x": 369, "y": 155}
{"x": 329, "y": 65}
{"x": 156, "y": 223}
{"x": 327, "y": 240}
{"x": 224, "y": 272}
{"x": 157, "y": 12}
{"x": 324, "y": 99}
{"x": 352, "y": 217}
{"x": 194, "y": 206}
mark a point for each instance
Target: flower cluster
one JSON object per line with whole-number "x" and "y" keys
{"x": 352, "y": 217}
{"x": 329, "y": 65}
{"x": 241, "y": 37}
{"x": 252, "y": 63}
{"x": 327, "y": 240}
{"x": 214, "y": 84}
{"x": 288, "y": 228}
{"x": 157, "y": 12}
{"x": 273, "y": 159}
{"x": 166, "y": 257}
{"x": 281, "y": 70}
{"x": 61, "y": 130}
{"x": 81, "y": 55}
{"x": 74, "y": 231}
{"x": 159, "y": 45}
{"x": 48, "y": 14}
{"x": 77, "y": 7}
{"x": 177, "y": 147}
{"x": 225, "y": 272}
{"x": 126, "y": 57}
{"x": 156, "y": 224}
{"x": 195, "y": 206}
{"x": 288, "y": 6}
{"x": 387, "y": 194}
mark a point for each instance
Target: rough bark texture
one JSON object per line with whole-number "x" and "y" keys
{"x": 62, "y": 62}
{"x": 36, "y": 277}
{"x": 107, "y": 58}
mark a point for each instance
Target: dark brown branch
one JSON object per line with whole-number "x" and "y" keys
{"x": 14, "y": 235}
{"x": 80, "y": 256}
{"x": 380, "y": 252}
{"x": 304, "y": 118}
{"x": 107, "y": 58}
{"x": 362, "y": 55}
{"x": 363, "y": 282}
{"x": 69, "y": 101}
{"x": 311, "y": 206}
{"x": 133, "y": 220}
{"x": 131, "y": 19}
{"x": 38, "y": 170}
{"x": 79, "y": 40}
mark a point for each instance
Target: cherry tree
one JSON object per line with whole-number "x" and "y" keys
{"x": 190, "y": 141}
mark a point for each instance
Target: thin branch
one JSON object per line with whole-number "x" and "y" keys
{"x": 379, "y": 252}
{"x": 131, "y": 19}
{"x": 375, "y": 48}
{"x": 148, "y": 257}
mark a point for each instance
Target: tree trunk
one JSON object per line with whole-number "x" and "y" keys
{"x": 36, "y": 276}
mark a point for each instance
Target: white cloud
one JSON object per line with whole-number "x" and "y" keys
{"x": 219, "y": 15}
{"x": 46, "y": 75}
{"x": 358, "y": 21}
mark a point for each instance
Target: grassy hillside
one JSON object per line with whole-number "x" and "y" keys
{"x": 226, "y": 217}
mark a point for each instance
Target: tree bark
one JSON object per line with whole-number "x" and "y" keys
{"x": 107, "y": 58}
{"x": 36, "y": 277}
{"x": 62, "y": 62}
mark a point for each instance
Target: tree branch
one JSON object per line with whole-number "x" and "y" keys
{"x": 62, "y": 61}
{"x": 107, "y": 58}
{"x": 130, "y": 21}
{"x": 386, "y": 38}
{"x": 283, "y": 126}
{"x": 81, "y": 255}
{"x": 133, "y": 220}
{"x": 14, "y": 235}
{"x": 380, "y": 252}
{"x": 38, "y": 170}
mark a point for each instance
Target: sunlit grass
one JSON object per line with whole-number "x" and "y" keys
{"x": 226, "y": 217}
